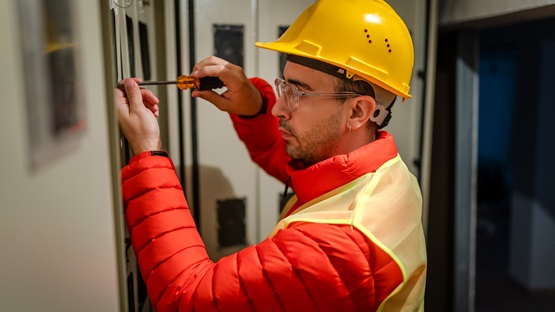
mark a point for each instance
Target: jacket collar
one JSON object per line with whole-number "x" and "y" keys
{"x": 329, "y": 174}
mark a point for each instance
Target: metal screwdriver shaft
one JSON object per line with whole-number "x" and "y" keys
{"x": 154, "y": 83}
{"x": 150, "y": 83}
{"x": 186, "y": 82}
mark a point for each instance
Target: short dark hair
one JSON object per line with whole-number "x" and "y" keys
{"x": 357, "y": 86}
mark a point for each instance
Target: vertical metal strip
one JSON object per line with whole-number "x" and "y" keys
{"x": 257, "y": 183}
{"x": 115, "y": 160}
{"x": 177, "y": 20}
{"x": 428, "y": 101}
{"x": 466, "y": 159}
{"x": 195, "y": 170}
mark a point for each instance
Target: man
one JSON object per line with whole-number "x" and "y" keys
{"x": 351, "y": 238}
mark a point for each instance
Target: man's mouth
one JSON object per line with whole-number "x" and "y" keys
{"x": 286, "y": 133}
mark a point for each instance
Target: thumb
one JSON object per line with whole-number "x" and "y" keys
{"x": 133, "y": 94}
{"x": 213, "y": 97}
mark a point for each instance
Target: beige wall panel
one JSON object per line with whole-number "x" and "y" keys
{"x": 406, "y": 123}
{"x": 226, "y": 170}
{"x": 272, "y": 15}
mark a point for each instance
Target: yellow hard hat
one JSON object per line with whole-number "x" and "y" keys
{"x": 366, "y": 38}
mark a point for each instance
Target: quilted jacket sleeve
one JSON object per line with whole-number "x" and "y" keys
{"x": 262, "y": 137}
{"x": 307, "y": 267}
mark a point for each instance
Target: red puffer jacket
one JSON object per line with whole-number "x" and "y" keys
{"x": 305, "y": 267}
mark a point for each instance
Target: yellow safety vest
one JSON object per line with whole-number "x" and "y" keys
{"x": 386, "y": 206}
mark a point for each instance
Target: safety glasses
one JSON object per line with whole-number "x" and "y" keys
{"x": 293, "y": 94}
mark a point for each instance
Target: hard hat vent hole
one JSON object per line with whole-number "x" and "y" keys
{"x": 388, "y": 45}
{"x": 367, "y": 35}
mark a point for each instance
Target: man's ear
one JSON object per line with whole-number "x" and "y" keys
{"x": 362, "y": 109}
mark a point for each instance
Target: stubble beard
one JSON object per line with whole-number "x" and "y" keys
{"x": 317, "y": 144}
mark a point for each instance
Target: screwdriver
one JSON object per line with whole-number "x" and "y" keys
{"x": 185, "y": 82}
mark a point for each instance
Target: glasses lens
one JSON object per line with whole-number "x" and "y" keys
{"x": 290, "y": 92}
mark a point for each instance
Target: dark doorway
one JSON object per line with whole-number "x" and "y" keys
{"x": 510, "y": 71}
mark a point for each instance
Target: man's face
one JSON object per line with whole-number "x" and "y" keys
{"x": 314, "y": 131}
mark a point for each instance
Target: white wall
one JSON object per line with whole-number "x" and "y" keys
{"x": 57, "y": 241}
{"x": 224, "y": 165}
{"x": 406, "y": 121}
{"x": 271, "y": 15}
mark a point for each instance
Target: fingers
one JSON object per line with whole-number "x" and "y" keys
{"x": 125, "y": 97}
{"x": 213, "y": 97}
{"x": 209, "y": 61}
{"x": 231, "y": 75}
{"x": 145, "y": 93}
{"x": 150, "y": 101}
{"x": 241, "y": 96}
{"x": 210, "y": 70}
{"x": 136, "y": 79}
{"x": 134, "y": 94}
{"x": 137, "y": 109}
{"x": 148, "y": 96}
{"x": 122, "y": 102}
{"x": 153, "y": 108}
{"x": 215, "y": 67}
